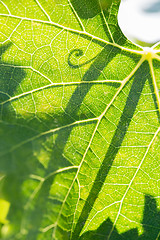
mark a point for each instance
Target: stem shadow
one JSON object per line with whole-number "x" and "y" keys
{"x": 78, "y": 96}
{"x": 124, "y": 122}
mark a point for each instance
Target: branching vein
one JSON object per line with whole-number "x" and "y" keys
{"x": 132, "y": 180}
{"x": 82, "y": 33}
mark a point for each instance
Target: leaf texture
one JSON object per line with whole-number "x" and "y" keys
{"x": 79, "y": 124}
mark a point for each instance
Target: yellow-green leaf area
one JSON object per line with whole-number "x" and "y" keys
{"x": 79, "y": 124}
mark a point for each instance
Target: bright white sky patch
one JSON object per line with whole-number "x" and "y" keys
{"x": 139, "y": 20}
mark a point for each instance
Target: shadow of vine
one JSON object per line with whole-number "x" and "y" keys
{"x": 150, "y": 225}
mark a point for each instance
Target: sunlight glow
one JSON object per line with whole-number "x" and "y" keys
{"x": 139, "y": 20}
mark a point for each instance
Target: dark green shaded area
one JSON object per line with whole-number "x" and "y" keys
{"x": 86, "y": 9}
{"x": 10, "y": 76}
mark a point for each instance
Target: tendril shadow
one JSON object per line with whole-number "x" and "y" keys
{"x": 74, "y": 104}
{"x": 70, "y": 115}
{"x": 77, "y": 53}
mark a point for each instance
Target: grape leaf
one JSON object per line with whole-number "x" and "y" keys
{"x": 79, "y": 124}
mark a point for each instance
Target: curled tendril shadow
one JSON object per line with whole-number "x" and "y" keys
{"x": 77, "y": 53}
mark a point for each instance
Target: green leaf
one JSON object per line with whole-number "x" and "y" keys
{"x": 79, "y": 124}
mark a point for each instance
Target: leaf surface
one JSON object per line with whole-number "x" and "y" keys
{"x": 79, "y": 124}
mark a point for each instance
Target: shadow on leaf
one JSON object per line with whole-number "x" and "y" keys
{"x": 89, "y": 9}
{"x": 71, "y": 115}
{"x": 16, "y": 168}
{"x": 124, "y": 122}
{"x": 86, "y": 9}
{"x": 10, "y": 76}
{"x": 150, "y": 224}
